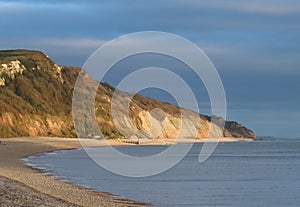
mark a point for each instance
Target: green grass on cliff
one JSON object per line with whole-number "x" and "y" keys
{"x": 38, "y": 101}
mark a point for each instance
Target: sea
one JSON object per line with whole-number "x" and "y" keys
{"x": 239, "y": 174}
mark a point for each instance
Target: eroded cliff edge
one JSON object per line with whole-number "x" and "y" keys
{"x": 36, "y": 100}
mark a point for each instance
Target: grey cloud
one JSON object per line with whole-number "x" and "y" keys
{"x": 254, "y": 44}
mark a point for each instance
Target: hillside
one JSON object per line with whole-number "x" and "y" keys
{"x": 36, "y": 100}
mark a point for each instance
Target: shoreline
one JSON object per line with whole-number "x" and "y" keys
{"x": 13, "y": 167}
{"x": 16, "y": 173}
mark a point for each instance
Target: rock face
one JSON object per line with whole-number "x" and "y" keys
{"x": 36, "y": 100}
{"x": 11, "y": 69}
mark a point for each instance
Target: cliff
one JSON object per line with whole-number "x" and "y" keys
{"x": 36, "y": 100}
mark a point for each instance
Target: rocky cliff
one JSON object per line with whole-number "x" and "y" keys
{"x": 36, "y": 100}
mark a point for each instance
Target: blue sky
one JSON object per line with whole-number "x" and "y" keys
{"x": 255, "y": 45}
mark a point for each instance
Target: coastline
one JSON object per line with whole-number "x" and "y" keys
{"x": 15, "y": 173}
{"x": 12, "y": 150}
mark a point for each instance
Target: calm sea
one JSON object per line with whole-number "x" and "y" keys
{"x": 262, "y": 173}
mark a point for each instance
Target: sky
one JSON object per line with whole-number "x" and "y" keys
{"x": 255, "y": 45}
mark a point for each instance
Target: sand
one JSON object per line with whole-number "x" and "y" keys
{"x": 22, "y": 185}
{"x": 13, "y": 193}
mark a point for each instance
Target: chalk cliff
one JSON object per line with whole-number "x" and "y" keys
{"x": 36, "y": 100}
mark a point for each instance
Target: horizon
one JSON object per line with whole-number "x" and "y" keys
{"x": 254, "y": 45}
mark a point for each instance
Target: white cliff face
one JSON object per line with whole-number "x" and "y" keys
{"x": 11, "y": 69}
{"x": 58, "y": 75}
{"x": 2, "y": 82}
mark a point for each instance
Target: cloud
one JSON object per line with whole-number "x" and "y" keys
{"x": 75, "y": 43}
{"x": 255, "y": 45}
{"x": 79, "y": 43}
{"x": 30, "y": 5}
{"x": 107, "y": 19}
{"x": 266, "y": 7}
{"x": 11, "y": 6}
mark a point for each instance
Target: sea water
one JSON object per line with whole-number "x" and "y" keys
{"x": 260, "y": 173}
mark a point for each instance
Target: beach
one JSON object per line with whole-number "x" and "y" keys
{"x": 20, "y": 183}
{"x": 24, "y": 186}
